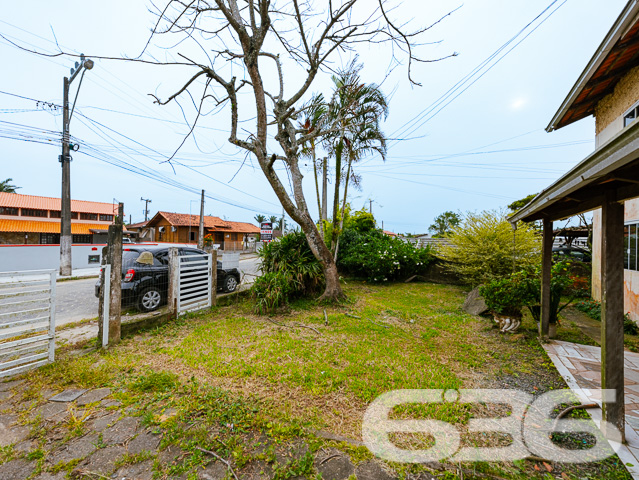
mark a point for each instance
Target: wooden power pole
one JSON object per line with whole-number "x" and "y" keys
{"x": 200, "y": 238}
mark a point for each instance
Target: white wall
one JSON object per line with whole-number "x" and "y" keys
{"x": 39, "y": 257}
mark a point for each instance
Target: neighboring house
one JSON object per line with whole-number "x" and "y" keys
{"x": 184, "y": 228}
{"x": 607, "y": 182}
{"x": 27, "y": 219}
{"x": 142, "y": 232}
{"x": 390, "y": 234}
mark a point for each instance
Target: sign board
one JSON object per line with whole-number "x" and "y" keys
{"x": 266, "y": 231}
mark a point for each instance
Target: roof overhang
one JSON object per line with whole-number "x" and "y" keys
{"x": 615, "y": 165}
{"x": 617, "y": 54}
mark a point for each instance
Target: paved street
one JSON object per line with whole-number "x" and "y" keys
{"x": 75, "y": 299}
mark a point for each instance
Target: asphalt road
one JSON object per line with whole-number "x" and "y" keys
{"x": 76, "y": 300}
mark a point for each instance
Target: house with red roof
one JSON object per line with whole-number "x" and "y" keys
{"x": 33, "y": 220}
{"x": 184, "y": 228}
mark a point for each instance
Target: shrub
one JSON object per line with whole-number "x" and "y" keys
{"x": 561, "y": 283}
{"x": 507, "y": 296}
{"x": 592, "y": 308}
{"x": 483, "y": 247}
{"x": 289, "y": 270}
{"x": 377, "y": 257}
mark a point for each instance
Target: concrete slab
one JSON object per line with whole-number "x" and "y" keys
{"x": 68, "y": 395}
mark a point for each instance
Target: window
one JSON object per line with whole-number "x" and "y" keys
{"x": 8, "y": 211}
{"x": 106, "y": 218}
{"x": 88, "y": 216}
{"x": 192, "y": 239}
{"x": 74, "y": 215}
{"x": 81, "y": 239}
{"x": 630, "y": 237}
{"x": 33, "y": 212}
{"x": 630, "y": 117}
{"x": 50, "y": 238}
{"x": 54, "y": 213}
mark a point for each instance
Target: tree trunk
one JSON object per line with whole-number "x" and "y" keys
{"x": 338, "y": 174}
{"x": 317, "y": 190}
{"x": 341, "y": 220}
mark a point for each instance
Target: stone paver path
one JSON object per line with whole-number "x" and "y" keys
{"x": 580, "y": 366}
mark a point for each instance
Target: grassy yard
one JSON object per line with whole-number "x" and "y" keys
{"x": 228, "y": 375}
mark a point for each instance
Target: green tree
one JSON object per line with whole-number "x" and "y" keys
{"x": 444, "y": 223}
{"x": 519, "y": 204}
{"x": 259, "y": 218}
{"x": 6, "y": 187}
{"x": 485, "y": 247}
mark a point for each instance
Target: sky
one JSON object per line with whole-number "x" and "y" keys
{"x": 478, "y": 148}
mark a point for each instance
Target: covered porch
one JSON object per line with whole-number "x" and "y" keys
{"x": 605, "y": 179}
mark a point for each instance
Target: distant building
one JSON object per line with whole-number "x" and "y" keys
{"x": 32, "y": 220}
{"x": 184, "y": 228}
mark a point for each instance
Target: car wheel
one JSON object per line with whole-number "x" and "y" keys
{"x": 150, "y": 299}
{"x": 230, "y": 284}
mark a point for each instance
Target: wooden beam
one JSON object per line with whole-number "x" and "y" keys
{"x": 612, "y": 353}
{"x": 546, "y": 265}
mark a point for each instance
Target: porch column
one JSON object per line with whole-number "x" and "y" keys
{"x": 546, "y": 265}
{"x": 612, "y": 355}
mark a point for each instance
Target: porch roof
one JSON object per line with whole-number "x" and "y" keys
{"x": 615, "y": 165}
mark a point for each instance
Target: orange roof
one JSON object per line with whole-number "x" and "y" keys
{"x": 184, "y": 220}
{"x": 237, "y": 227}
{"x": 210, "y": 223}
{"x": 33, "y": 226}
{"x": 17, "y": 200}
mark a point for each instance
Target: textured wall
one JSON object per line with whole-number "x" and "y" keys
{"x": 617, "y": 103}
{"x": 16, "y": 238}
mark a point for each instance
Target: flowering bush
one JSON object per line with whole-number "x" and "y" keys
{"x": 208, "y": 240}
{"x": 379, "y": 258}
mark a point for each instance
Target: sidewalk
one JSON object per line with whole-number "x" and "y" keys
{"x": 580, "y": 366}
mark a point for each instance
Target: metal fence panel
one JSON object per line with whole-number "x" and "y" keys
{"x": 27, "y": 320}
{"x": 195, "y": 273}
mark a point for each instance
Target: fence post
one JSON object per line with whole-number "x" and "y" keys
{"x": 214, "y": 278}
{"x": 52, "y": 318}
{"x": 115, "y": 292}
{"x": 174, "y": 281}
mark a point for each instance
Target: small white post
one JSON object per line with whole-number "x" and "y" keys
{"x": 107, "y": 303}
{"x": 52, "y": 281}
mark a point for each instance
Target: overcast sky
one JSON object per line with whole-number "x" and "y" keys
{"x": 482, "y": 150}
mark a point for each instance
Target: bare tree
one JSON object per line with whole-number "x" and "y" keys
{"x": 308, "y": 33}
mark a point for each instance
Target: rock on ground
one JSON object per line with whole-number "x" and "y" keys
{"x": 475, "y": 304}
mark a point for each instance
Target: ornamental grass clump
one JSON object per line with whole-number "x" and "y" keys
{"x": 290, "y": 270}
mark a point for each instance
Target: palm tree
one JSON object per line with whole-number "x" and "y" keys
{"x": 355, "y": 112}
{"x": 6, "y": 187}
{"x": 272, "y": 219}
{"x": 259, "y": 218}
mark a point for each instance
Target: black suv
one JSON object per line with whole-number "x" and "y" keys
{"x": 146, "y": 286}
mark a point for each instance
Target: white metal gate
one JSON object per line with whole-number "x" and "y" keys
{"x": 194, "y": 282}
{"x": 27, "y": 320}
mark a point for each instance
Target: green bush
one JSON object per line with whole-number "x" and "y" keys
{"x": 272, "y": 290}
{"x": 507, "y": 296}
{"x": 289, "y": 270}
{"x": 592, "y": 308}
{"x": 485, "y": 248}
{"x": 377, "y": 257}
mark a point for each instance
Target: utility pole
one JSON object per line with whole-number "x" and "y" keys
{"x": 146, "y": 207}
{"x": 370, "y": 206}
{"x": 200, "y": 238}
{"x": 66, "y": 239}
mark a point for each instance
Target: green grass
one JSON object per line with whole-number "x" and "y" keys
{"x": 221, "y": 378}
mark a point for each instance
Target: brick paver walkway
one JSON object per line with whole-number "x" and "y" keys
{"x": 580, "y": 366}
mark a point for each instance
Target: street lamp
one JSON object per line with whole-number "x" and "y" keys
{"x": 66, "y": 239}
